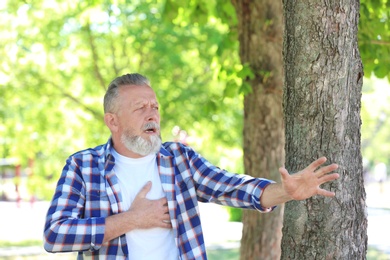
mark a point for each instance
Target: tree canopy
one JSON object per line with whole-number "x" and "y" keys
{"x": 374, "y": 37}
{"x": 59, "y": 56}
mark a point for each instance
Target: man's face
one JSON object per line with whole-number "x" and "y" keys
{"x": 139, "y": 119}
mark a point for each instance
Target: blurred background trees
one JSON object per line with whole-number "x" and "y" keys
{"x": 57, "y": 57}
{"x": 374, "y": 45}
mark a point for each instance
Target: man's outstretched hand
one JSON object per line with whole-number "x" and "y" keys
{"x": 301, "y": 185}
{"x": 306, "y": 183}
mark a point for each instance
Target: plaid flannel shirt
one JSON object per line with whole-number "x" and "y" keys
{"x": 88, "y": 191}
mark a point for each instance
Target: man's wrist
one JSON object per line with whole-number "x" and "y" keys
{"x": 274, "y": 194}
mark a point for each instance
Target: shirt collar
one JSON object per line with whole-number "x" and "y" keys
{"x": 164, "y": 152}
{"x": 107, "y": 150}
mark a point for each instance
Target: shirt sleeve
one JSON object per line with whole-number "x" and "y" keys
{"x": 225, "y": 188}
{"x": 65, "y": 228}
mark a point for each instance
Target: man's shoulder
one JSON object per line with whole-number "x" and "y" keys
{"x": 97, "y": 151}
{"x": 171, "y": 144}
{"x": 179, "y": 151}
{"x": 175, "y": 147}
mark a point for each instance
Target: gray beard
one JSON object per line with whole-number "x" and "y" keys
{"x": 141, "y": 146}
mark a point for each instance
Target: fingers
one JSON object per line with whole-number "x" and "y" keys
{"x": 166, "y": 218}
{"x": 329, "y": 177}
{"x": 162, "y": 217}
{"x": 306, "y": 183}
{"x": 165, "y": 205}
{"x": 323, "y": 170}
{"x": 145, "y": 189}
{"x": 326, "y": 169}
{"x": 166, "y": 221}
{"x": 151, "y": 213}
{"x": 166, "y": 224}
{"x": 317, "y": 163}
{"x": 326, "y": 193}
{"x": 312, "y": 167}
{"x": 283, "y": 172}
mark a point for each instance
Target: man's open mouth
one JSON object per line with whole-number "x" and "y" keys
{"x": 151, "y": 128}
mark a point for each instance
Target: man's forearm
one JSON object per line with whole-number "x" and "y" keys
{"x": 273, "y": 195}
{"x": 79, "y": 234}
{"x": 117, "y": 225}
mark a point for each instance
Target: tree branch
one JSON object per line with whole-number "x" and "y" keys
{"x": 95, "y": 56}
{"x": 98, "y": 115}
{"x": 376, "y": 42}
{"x": 112, "y": 47}
{"x": 95, "y": 113}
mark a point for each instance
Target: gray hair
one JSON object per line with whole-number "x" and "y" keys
{"x": 112, "y": 92}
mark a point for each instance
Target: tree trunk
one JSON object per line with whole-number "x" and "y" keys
{"x": 260, "y": 34}
{"x": 323, "y": 80}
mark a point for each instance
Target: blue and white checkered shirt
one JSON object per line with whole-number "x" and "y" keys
{"x": 88, "y": 191}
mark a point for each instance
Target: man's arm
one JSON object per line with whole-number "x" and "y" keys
{"x": 301, "y": 185}
{"x": 67, "y": 230}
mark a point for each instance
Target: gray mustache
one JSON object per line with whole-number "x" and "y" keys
{"x": 151, "y": 125}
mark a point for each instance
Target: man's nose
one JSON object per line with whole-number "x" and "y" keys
{"x": 153, "y": 115}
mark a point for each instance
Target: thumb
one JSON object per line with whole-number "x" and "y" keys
{"x": 145, "y": 189}
{"x": 283, "y": 173}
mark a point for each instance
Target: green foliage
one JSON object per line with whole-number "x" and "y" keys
{"x": 375, "y": 115}
{"x": 235, "y": 214}
{"x": 59, "y": 56}
{"x": 374, "y": 37}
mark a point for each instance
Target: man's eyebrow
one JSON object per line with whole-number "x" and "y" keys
{"x": 144, "y": 102}
{"x": 141, "y": 102}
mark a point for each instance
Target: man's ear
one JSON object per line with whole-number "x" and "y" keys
{"x": 111, "y": 121}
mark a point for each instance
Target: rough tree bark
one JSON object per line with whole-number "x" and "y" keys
{"x": 323, "y": 80}
{"x": 260, "y": 35}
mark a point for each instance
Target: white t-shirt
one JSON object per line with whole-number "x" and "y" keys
{"x": 133, "y": 174}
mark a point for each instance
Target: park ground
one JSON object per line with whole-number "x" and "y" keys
{"x": 21, "y": 229}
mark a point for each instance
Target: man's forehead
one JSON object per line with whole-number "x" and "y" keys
{"x": 142, "y": 101}
{"x": 138, "y": 91}
{"x": 140, "y": 94}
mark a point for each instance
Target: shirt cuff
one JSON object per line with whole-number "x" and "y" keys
{"x": 98, "y": 229}
{"x": 258, "y": 191}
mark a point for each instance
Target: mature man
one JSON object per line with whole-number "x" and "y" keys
{"x": 136, "y": 198}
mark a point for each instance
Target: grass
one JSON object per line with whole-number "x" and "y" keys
{"x": 23, "y": 243}
{"x": 234, "y": 254}
{"x": 375, "y": 254}
{"x": 226, "y": 254}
